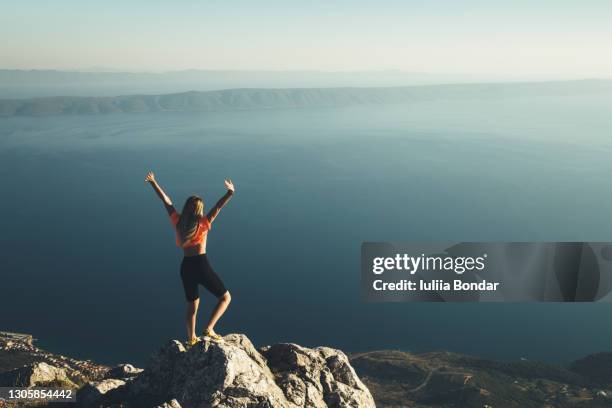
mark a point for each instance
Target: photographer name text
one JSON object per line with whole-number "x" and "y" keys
{"x": 426, "y": 264}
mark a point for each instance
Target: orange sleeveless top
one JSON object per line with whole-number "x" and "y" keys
{"x": 198, "y": 237}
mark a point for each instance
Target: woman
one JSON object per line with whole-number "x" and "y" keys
{"x": 192, "y": 228}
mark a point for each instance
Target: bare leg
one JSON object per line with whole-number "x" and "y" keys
{"x": 190, "y": 318}
{"x": 224, "y": 301}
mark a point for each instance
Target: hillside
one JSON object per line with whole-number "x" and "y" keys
{"x": 236, "y": 374}
{"x": 398, "y": 379}
{"x": 247, "y": 98}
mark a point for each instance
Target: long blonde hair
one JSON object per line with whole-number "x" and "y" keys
{"x": 189, "y": 221}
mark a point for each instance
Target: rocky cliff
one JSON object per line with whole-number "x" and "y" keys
{"x": 227, "y": 374}
{"x": 236, "y": 374}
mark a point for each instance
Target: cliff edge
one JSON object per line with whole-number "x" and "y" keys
{"x": 234, "y": 374}
{"x": 227, "y": 374}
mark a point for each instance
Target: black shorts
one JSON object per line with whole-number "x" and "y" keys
{"x": 197, "y": 270}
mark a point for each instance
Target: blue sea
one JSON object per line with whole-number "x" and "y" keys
{"x": 89, "y": 266}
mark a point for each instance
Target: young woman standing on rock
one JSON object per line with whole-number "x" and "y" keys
{"x": 192, "y": 228}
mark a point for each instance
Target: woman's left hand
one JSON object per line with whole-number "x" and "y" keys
{"x": 230, "y": 185}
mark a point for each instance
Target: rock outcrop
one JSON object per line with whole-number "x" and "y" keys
{"x": 123, "y": 372}
{"x": 234, "y": 374}
{"x": 320, "y": 377}
{"x": 35, "y": 375}
{"x": 20, "y": 356}
{"x": 96, "y": 393}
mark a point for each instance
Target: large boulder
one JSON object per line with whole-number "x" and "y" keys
{"x": 320, "y": 377}
{"x": 36, "y": 375}
{"x": 123, "y": 372}
{"x": 227, "y": 374}
{"x": 100, "y": 393}
{"x": 233, "y": 374}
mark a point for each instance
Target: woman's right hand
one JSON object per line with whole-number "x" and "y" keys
{"x": 150, "y": 177}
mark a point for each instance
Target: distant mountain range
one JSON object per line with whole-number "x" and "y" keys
{"x": 105, "y": 82}
{"x": 16, "y": 83}
{"x": 237, "y": 99}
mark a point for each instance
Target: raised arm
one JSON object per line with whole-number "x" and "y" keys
{"x": 160, "y": 193}
{"x": 212, "y": 214}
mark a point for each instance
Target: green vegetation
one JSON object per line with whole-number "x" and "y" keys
{"x": 443, "y": 379}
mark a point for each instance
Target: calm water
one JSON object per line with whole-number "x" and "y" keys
{"x": 89, "y": 266}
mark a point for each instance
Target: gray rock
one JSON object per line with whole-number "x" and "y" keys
{"x": 227, "y": 374}
{"x": 170, "y": 404}
{"x": 233, "y": 374}
{"x": 320, "y": 377}
{"x": 37, "y": 374}
{"x": 100, "y": 393}
{"x": 123, "y": 372}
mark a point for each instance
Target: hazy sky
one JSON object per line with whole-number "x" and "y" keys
{"x": 520, "y": 37}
